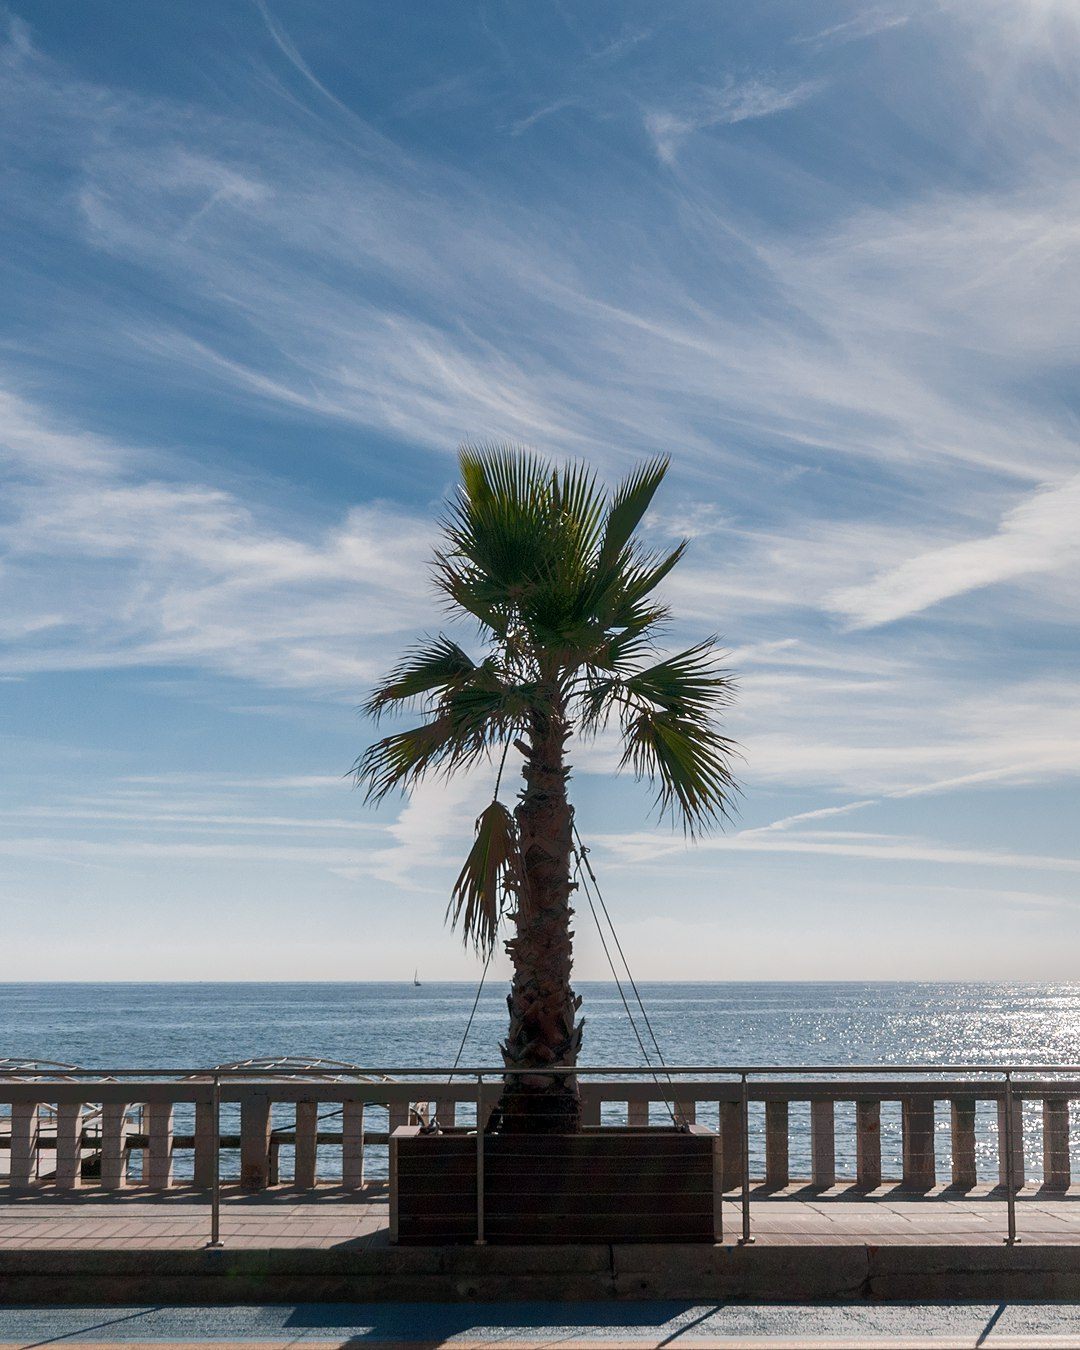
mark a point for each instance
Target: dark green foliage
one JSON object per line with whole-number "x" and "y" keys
{"x": 561, "y": 589}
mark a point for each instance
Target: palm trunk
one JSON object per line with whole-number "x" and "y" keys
{"x": 544, "y": 1030}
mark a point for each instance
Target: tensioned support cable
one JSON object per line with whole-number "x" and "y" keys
{"x": 476, "y": 1004}
{"x": 582, "y": 860}
{"x": 611, "y": 964}
{"x": 583, "y": 853}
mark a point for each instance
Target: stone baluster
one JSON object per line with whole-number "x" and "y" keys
{"x": 1057, "y": 1168}
{"x": 114, "y": 1145}
{"x": 822, "y": 1144}
{"x": 917, "y": 1123}
{"x": 964, "y": 1175}
{"x": 685, "y": 1111}
{"x": 1017, "y": 1142}
{"x": 159, "y": 1153}
{"x": 69, "y": 1126}
{"x": 205, "y": 1142}
{"x": 352, "y": 1145}
{"x": 306, "y": 1146}
{"x": 25, "y": 1136}
{"x": 731, "y": 1144}
{"x": 868, "y": 1144}
{"x": 777, "y": 1174}
{"x": 255, "y": 1130}
{"x": 637, "y": 1114}
{"x": 399, "y": 1115}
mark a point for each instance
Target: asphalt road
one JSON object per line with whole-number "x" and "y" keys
{"x": 568, "y": 1326}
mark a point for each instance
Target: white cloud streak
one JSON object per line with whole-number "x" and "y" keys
{"x": 1036, "y": 537}
{"x": 636, "y": 849}
{"x": 725, "y": 105}
{"x": 106, "y": 568}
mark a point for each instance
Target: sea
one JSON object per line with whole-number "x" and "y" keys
{"x": 401, "y": 1025}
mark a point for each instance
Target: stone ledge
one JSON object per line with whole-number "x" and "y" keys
{"x": 454, "y": 1274}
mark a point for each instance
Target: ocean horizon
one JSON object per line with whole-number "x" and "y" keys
{"x": 800, "y": 1023}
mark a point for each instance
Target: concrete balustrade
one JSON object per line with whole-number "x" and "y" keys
{"x": 23, "y": 1144}
{"x": 205, "y": 1132}
{"x": 1057, "y": 1169}
{"x": 352, "y": 1145}
{"x": 255, "y": 1127}
{"x": 867, "y": 1144}
{"x": 822, "y": 1143}
{"x": 962, "y": 1121}
{"x": 1017, "y": 1142}
{"x": 919, "y": 1160}
{"x": 731, "y": 1143}
{"x": 69, "y": 1119}
{"x": 114, "y": 1145}
{"x": 777, "y": 1145}
{"x": 158, "y": 1164}
{"x": 67, "y": 1135}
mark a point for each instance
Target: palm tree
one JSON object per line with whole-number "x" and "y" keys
{"x": 563, "y": 593}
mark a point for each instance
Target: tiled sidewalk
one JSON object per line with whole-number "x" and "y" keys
{"x": 329, "y": 1218}
{"x": 325, "y": 1218}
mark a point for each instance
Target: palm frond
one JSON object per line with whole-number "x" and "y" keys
{"x": 467, "y": 719}
{"x": 577, "y": 500}
{"x": 643, "y": 573}
{"x": 629, "y": 504}
{"x": 688, "y": 762}
{"x": 402, "y": 759}
{"x": 632, "y": 639}
{"x": 523, "y": 540}
{"x": 489, "y": 876}
{"x": 502, "y": 521}
{"x": 689, "y": 684}
{"x": 429, "y": 667}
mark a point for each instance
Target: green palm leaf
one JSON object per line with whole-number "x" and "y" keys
{"x": 563, "y": 593}
{"x": 490, "y": 874}
{"x": 437, "y": 665}
{"x": 689, "y": 764}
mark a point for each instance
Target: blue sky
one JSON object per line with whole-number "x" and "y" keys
{"x": 266, "y": 264}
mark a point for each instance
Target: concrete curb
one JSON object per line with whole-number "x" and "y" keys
{"x": 482, "y": 1274}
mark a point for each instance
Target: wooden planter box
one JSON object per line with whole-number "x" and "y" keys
{"x": 602, "y": 1185}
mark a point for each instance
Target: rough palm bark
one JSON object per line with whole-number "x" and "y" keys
{"x": 544, "y": 1028}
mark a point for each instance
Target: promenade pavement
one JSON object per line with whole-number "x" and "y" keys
{"x": 329, "y": 1218}
{"x": 565, "y": 1326}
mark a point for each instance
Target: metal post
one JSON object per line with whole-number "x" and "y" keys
{"x": 480, "y": 1239}
{"x": 1010, "y": 1168}
{"x": 215, "y": 1166}
{"x": 746, "y": 1239}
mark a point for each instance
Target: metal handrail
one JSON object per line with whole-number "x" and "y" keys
{"x": 502, "y": 1070}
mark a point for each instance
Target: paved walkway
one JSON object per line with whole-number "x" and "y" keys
{"x": 568, "y": 1326}
{"x": 329, "y": 1218}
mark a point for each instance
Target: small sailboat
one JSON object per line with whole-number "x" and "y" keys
{"x": 416, "y": 978}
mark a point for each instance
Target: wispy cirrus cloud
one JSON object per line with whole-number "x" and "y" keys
{"x": 638, "y": 849}
{"x": 817, "y": 362}
{"x": 868, "y": 21}
{"x": 725, "y": 105}
{"x": 107, "y": 565}
{"x": 1036, "y": 537}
